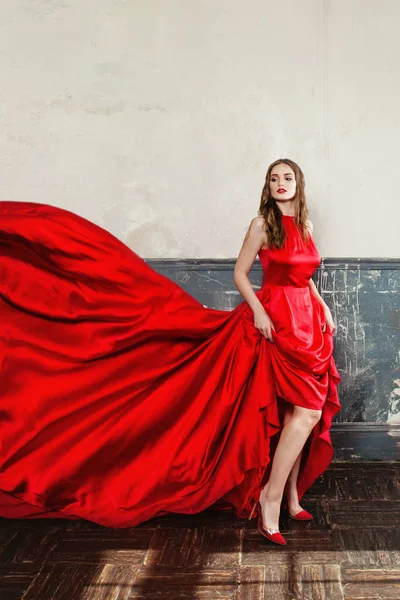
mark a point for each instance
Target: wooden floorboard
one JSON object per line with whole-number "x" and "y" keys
{"x": 350, "y": 551}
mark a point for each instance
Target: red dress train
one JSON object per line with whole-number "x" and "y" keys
{"x": 123, "y": 398}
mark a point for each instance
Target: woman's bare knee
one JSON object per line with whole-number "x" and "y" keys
{"x": 307, "y": 416}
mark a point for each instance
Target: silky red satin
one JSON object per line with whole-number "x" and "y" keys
{"x": 122, "y": 398}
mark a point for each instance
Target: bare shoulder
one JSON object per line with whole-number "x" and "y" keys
{"x": 257, "y": 224}
{"x": 256, "y": 234}
{"x": 310, "y": 226}
{"x": 256, "y": 229}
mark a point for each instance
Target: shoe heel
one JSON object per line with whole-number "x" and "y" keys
{"x": 252, "y": 510}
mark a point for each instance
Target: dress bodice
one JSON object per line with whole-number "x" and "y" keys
{"x": 294, "y": 263}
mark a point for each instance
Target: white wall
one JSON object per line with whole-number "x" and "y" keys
{"x": 157, "y": 119}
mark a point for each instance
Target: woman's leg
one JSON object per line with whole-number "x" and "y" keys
{"x": 290, "y": 491}
{"x": 293, "y": 437}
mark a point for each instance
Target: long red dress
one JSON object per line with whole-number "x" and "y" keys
{"x": 123, "y": 398}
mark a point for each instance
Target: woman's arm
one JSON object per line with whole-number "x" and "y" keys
{"x": 255, "y": 238}
{"x": 312, "y": 285}
{"x": 314, "y": 291}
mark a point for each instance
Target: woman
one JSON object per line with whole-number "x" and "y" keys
{"x": 282, "y": 207}
{"x": 123, "y": 398}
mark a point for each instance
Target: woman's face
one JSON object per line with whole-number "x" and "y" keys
{"x": 282, "y": 182}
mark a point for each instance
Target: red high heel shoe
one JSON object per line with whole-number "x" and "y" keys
{"x": 303, "y": 515}
{"x": 273, "y": 535}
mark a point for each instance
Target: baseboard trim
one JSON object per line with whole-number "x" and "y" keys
{"x": 366, "y": 442}
{"x": 365, "y": 426}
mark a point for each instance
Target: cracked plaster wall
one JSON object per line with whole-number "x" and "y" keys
{"x": 157, "y": 120}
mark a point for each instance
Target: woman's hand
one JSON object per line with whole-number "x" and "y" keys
{"x": 263, "y": 323}
{"x": 328, "y": 319}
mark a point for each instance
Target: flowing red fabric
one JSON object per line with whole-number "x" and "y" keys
{"x": 124, "y": 398}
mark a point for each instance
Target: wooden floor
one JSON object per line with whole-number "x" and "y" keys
{"x": 351, "y": 551}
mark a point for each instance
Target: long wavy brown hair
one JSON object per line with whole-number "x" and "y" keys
{"x": 272, "y": 214}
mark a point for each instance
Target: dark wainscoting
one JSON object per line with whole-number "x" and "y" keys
{"x": 363, "y": 295}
